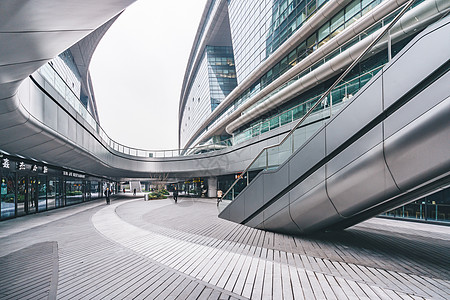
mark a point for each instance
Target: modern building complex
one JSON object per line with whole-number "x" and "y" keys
{"x": 278, "y": 60}
{"x": 378, "y": 140}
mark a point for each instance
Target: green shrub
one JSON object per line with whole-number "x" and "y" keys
{"x": 156, "y": 195}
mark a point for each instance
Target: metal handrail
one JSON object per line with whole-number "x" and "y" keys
{"x": 366, "y": 50}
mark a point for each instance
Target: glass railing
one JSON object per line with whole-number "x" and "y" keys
{"x": 272, "y": 157}
{"x": 340, "y": 94}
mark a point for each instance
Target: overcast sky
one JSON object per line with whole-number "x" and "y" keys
{"x": 138, "y": 69}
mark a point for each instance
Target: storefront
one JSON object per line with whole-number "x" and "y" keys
{"x": 28, "y": 187}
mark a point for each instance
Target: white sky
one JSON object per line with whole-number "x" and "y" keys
{"x": 138, "y": 69}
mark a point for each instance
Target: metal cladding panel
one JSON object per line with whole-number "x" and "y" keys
{"x": 355, "y": 115}
{"x": 256, "y": 221}
{"x": 420, "y": 150}
{"x": 355, "y": 150}
{"x": 72, "y": 130}
{"x": 63, "y": 122}
{"x": 309, "y": 155}
{"x": 281, "y": 222}
{"x": 275, "y": 207}
{"x": 417, "y": 64}
{"x": 50, "y": 113}
{"x": 79, "y": 131}
{"x": 42, "y": 147}
{"x": 225, "y": 214}
{"x": 361, "y": 184}
{"x": 255, "y": 196}
{"x": 275, "y": 182}
{"x": 23, "y": 144}
{"x": 313, "y": 211}
{"x": 426, "y": 100}
{"x": 307, "y": 184}
{"x": 237, "y": 209}
{"x": 37, "y": 104}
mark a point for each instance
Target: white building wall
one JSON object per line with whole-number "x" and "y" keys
{"x": 250, "y": 21}
{"x": 198, "y": 104}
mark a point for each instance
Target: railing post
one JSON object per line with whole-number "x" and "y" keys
{"x": 247, "y": 179}
{"x": 292, "y": 141}
{"x": 331, "y": 104}
{"x": 267, "y": 159}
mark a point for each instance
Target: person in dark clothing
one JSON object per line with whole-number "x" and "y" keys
{"x": 134, "y": 192}
{"x": 107, "y": 194}
{"x": 175, "y": 195}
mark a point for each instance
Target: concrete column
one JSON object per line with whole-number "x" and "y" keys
{"x": 212, "y": 187}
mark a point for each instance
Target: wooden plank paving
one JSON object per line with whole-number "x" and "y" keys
{"x": 159, "y": 250}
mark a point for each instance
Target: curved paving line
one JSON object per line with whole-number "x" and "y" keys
{"x": 219, "y": 269}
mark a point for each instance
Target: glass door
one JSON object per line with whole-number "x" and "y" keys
{"x": 8, "y": 195}
{"x": 32, "y": 195}
{"x": 21, "y": 195}
{"x": 42, "y": 193}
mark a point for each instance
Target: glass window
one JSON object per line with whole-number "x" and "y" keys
{"x": 311, "y": 7}
{"x": 8, "y": 195}
{"x": 21, "y": 195}
{"x": 74, "y": 191}
{"x": 324, "y": 31}
{"x": 352, "y": 12}
{"x": 337, "y": 21}
{"x": 42, "y": 193}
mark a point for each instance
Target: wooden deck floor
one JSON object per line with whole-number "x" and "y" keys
{"x": 161, "y": 250}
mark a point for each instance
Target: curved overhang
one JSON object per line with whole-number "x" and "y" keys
{"x": 34, "y": 32}
{"x": 29, "y": 128}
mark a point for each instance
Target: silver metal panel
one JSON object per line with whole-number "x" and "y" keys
{"x": 420, "y": 150}
{"x": 361, "y": 184}
{"x": 355, "y": 116}
{"x": 50, "y": 113}
{"x": 355, "y": 150}
{"x": 313, "y": 210}
{"x": 79, "y": 131}
{"x": 255, "y": 193}
{"x": 275, "y": 182}
{"x": 256, "y": 221}
{"x": 396, "y": 84}
{"x": 309, "y": 155}
{"x": 281, "y": 222}
{"x": 438, "y": 91}
{"x": 278, "y": 205}
{"x": 63, "y": 122}
{"x": 237, "y": 209}
{"x": 72, "y": 130}
{"x": 307, "y": 184}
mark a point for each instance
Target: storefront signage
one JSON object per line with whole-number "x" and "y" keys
{"x": 44, "y": 169}
{"x": 34, "y": 168}
{"x": 73, "y": 174}
{"x": 5, "y": 163}
{"x": 21, "y": 166}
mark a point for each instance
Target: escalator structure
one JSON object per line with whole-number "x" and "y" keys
{"x": 389, "y": 145}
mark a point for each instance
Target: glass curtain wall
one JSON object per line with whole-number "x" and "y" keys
{"x": 74, "y": 191}
{"x": 8, "y": 194}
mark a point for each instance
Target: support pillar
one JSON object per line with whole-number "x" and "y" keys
{"x": 212, "y": 187}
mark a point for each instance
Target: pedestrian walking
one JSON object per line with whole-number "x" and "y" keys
{"x": 175, "y": 195}
{"x": 107, "y": 194}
